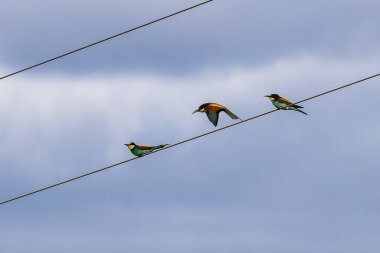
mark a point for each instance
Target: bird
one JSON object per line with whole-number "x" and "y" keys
{"x": 212, "y": 111}
{"x": 284, "y": 104}
{"x": 140, "y": 151}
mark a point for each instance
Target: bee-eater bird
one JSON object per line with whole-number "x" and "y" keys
{"x": 139, "y": 151}
{"x": 284, "y": 104}
{"x": 212, "y": 111}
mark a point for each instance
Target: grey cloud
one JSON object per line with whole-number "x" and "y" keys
{"x": 285, "y": 183}
{"x": 220, "y": 34}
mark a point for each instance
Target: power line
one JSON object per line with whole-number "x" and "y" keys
{"x": 184, "y": 141}
{"x": 103, "y": 40}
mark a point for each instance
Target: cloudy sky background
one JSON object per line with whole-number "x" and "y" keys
{"x": 282, "y": 183}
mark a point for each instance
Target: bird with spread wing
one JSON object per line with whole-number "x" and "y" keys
{"x": 212, "y": 111}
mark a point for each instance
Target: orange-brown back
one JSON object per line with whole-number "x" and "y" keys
{"x": 214, "y": 107}
{"x": 284, "y": 100}
{"x": 143, "y": 147}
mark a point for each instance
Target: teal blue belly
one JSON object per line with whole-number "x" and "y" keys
{"x": 139, "y": 152}
{"x": 278, "y": 105}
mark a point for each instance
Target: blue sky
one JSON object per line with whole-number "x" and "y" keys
{"x": 282, "y": 183}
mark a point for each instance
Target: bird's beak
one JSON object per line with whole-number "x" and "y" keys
{"x": 267, "y": 96}
{"x": 195, "y": 111}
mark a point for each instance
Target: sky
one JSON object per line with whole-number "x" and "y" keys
{"x": 282, "y": 183}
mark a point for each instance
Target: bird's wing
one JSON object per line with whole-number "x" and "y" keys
{"x": 284, "y": 101}
{"x": 144, "y": 147}
{"x": 287, "y": 102}
{"x": 229, "y": 113}
{"x": 213, "y": 117}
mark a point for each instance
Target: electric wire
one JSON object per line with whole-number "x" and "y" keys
{"x": 184, "y": 141}
{"x": 103, "y": 40}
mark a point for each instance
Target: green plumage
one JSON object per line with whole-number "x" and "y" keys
{"x": 138, "y": 152}
{"x": 142, "y": 150}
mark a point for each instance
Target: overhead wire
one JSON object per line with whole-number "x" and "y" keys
{"x": 184, "y": 141}
{"x": 104, "y": 40}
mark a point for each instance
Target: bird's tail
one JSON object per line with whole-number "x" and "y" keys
{"x": 160, "y": 146}
{"x": 232, "y": 115}
{"x": 298, "y": 110}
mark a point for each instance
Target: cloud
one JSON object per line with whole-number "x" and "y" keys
{"x": 101, "y": 112}
{"x": 284, "y": 181}
{"x": 223, "y": 34}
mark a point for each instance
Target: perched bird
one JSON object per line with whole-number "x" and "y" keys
{"x": 284, "y": 104}
{"x": 139, "y": 151}
{"x": 212, "y": 111}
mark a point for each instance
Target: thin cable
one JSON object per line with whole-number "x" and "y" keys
{"x": 69, "y": 180}
{"x": 103, "y": 40}
{"x": 184, "y": 141}
{"x": 338, "y": 88}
